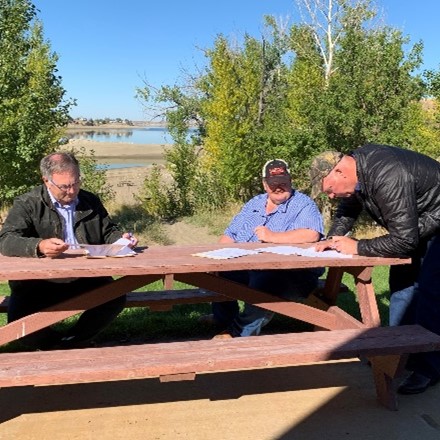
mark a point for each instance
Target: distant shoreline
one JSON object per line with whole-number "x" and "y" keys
{"x": 125, "y": 181}
{"x": 114, "y": 126}
{"x": 123, "y": 150}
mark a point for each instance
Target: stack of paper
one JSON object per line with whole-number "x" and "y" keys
{"x": 307, "y": 252}
{"x": 225, "y": 253}
{"x": 119, "y": 248}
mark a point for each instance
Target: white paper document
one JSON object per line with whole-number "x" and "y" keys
{"x": 224, "y": 254}
{"x": 308, "y": 252}
{"x": 119, "y": 248}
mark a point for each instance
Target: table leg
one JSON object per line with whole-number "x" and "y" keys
{"x": 51, "y": 315}
{"x": 366, "y": 296}
{"x": 332, "y": 285}
{"x": 303, "y": 312}
{"x": 386, "y": 371}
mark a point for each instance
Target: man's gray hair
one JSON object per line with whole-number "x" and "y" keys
{"x": 60, "y": 162}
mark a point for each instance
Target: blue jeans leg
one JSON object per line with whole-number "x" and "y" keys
{"x": 399, "y": 305}
{"x": 402, "y": 284}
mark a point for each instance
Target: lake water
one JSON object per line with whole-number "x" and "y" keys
{"x": 134, "y": 135}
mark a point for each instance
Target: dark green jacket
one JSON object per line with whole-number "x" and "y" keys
{"x": 33, "y": 218}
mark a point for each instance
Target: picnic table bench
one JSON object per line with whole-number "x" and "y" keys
{"x": 386, "y": 347}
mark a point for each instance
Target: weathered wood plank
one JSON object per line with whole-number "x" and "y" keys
{"x": 163, "y": 260}
{"x": 180, "y": 358}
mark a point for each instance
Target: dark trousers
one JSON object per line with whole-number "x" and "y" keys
{"x": 403, "y": 280}
{"x": 32, "y": 296}
{"x": 425, "y": 308}
{"x": 293, "y": 285}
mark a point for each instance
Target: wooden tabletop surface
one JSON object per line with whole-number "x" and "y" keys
{"x": 171, "y": 259}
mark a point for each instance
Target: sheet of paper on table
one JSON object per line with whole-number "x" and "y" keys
{"x": 225, "y": 253}
{"x": 307, "y": 252}
{"x": 119, "y": 248}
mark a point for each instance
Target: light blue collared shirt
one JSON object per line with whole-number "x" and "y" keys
{"x": 67, "y": 213}
{"x": 298, "y": 212}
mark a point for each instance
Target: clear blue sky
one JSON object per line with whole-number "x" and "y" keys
{"x": 106, "y": 47}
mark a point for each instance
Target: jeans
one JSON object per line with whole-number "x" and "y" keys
{"x": 31, "y": 296}
{"x": 402, "y": 284}
{"x": 400, "y": 302}
{"x": 293, "y": 285}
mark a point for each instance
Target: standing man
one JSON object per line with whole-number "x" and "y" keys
{"x": 400, "y": 190}
{"x": 280, "y": 215}
{"x": 43, "y": 223}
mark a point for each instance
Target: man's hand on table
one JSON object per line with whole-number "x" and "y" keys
{"x": 52, "y": 247}
{"x": 342, "y": 244}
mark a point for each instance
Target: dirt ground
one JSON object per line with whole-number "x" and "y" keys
{"x": 330, "y": 401}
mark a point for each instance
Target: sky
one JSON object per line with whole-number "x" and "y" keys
{"x": 107, "y": 48}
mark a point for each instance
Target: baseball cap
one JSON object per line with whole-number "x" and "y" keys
{"x": 276, "y": 172}
{"x": 321, "y": 167}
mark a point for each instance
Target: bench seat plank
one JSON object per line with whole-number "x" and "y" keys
{"x": 154, "y": 360}
{"x": 167, "y": 298}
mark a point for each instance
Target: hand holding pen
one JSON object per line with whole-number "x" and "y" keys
{"x": 132, "y": 238}
{"x": 52, "y": 247}
{"x": 342, "y": 244}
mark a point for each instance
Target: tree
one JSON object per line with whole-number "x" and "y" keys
{"x": 246, "y": 90}
{"x": 334, "y": 80}
{"x": 369, "y": 92}
{"x": 374, "y": 95}
{"x": 32, "y": 106}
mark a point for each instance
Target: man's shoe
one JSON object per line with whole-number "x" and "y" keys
{"x": 416, "y": 383}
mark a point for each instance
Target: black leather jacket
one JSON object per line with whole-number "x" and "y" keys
{"x": 400, "y": 190}
{"x": 33, "y": 218}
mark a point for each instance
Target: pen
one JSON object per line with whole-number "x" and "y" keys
{"x": 330, "y": 237}
{"x": 130, "y": 236}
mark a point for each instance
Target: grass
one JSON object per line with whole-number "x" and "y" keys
{"x": 214, "y": 220}
{"x": 138, "y": 325}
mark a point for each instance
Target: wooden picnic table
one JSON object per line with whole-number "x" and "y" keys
{"x": 155, "y": 263}
{"x": 179, "y": 262}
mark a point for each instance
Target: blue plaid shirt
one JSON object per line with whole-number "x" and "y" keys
{"x": 298, "y": 212}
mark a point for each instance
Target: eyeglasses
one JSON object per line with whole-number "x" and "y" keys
{"x": 66, "y": 188}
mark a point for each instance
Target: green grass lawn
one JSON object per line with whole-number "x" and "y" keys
{"x": 139, "y": 325}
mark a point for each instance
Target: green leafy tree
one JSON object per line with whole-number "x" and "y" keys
{"x": 334, "y": 80}
{"x": 432, "y": 111}
{"x": 245, "y": 89}
{"x": 352, "y": 81}
{"x": 32, "y": 106}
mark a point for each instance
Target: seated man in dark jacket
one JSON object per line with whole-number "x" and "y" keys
{"x": 44, "y": 223}
{"x": 400, "y": 190}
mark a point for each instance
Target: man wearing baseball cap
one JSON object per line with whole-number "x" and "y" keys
{"x": 400, "y": 190}
{"x": 279, "y": 215}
